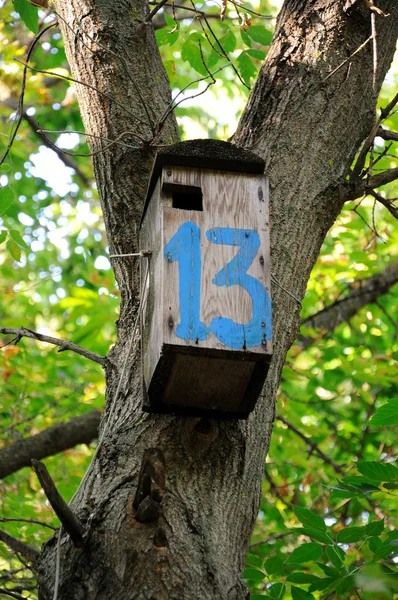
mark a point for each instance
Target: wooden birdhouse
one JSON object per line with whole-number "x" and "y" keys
{"x": 207, "y": 316}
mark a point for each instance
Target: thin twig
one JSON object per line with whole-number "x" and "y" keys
{"x": 125, "y": 67}
{"x": 361, "y": 47}
{"x": 11, "y": 594}
{"x": 31, "y": 521}
{"x": 385, "y": 202}
{"x": 95, "y": 152}
{"x": 17, "y": 546}
{"x": 19, "y": 112}
{"x": 70, "y": 522}
{"x": 314, "y": 447}
{"x": 87, "y": 85}
{"x": 360, "y": 162}
{"x": 373, "y": 25}
{"x": 63, "y": 345}
{"x": 278, "y": 536}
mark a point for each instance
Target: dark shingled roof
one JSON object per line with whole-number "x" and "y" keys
{"x": 205, "y": 154}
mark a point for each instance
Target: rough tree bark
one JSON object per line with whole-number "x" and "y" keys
{"x": 308, "y": 128}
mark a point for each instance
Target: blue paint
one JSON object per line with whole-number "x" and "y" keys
{"x": 184, "y": 246}
{"x": 259, "y": 329}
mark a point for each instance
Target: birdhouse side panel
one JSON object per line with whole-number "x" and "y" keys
{"x": 151, "y": 238}
{"x": 216, "y": 267}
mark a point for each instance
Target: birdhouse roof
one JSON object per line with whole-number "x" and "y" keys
{"x": 205, "y": 154}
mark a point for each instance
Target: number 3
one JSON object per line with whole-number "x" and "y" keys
{"x": 258, "y": 330}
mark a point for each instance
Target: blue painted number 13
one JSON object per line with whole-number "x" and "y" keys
{"x": 185, "y": 248}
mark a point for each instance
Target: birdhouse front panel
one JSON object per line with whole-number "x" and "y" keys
{"x": 207, "y": 331}
{"x": 216, "y": 286}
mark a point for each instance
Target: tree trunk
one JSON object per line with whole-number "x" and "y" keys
{"x": 308, "y": 128}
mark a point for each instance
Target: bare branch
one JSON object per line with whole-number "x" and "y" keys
{"x": 30, "y": 521}
{"x": 60, "y": 437}
{"x": 91, "y": 87}
{"x": 382, "y": 179}
{"x": 278, "y": 536}
{"x": 360, "y": 162}
{"x": 387, "y": 134}
{"x": 11, "y": 594}
{"x": 63, "y": 345}
{"x": 17, "y": 123}
{"x": 312, "y": 445}
{"x": 386, "y": 202}
{"x": 35, "y": 127}
{"x": 26, "y": 551}
{"x": 364, "y": 291}
{"x": 155, "y": 10}
{"x": 69, "y": 521}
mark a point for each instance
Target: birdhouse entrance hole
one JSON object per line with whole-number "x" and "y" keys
{"x": 186, "y": 197}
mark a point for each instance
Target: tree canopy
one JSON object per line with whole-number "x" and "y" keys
{"x": 326, "y": 523}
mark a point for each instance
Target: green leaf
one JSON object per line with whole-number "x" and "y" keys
{"x": 228, "y": 42}
{"x": 274, "y": 565}
{"x": 6, "y": 199}
{"x": 308, "y": 518}
{"x": 374, "y": 544}
{"x": 345, "y": 585}
{"x": 3, "y": 236}
{"x": 299, "y": 594}
{"x": 335, "y": 555}
{"x": 164, "y": 37}
{"x": 29, "y": 14}
{"x": 329, "y": 571}
{"x": 302, "y": 578}
{"x": 387, "y": 547}
{"x": 378, "y": 471}
{"x": 254, "y": 561}
{"x": 322, "y": 584}
{"x": 17, "y": 237}
{"x": 246, "y": 67}
{"x": 245, "y": 38}
{"x": 170, "y": 21}
{"x": 253, "y": 574}
{"x": 277, "y": 590}
{"x": 315, "y": 534}
{"x": 258, "y": 54}
{"x": 386, "y": 414}
{"x": 260, "y": 34}
{"x": 352, "y": 486}
{"x": 305, "y": 553}
{"x": 350, "y": 535}
{"x": 191, "y": 53}
{"x": 14, "y": 250}
{"x": 375, "y": 528}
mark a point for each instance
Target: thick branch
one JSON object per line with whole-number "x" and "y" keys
{"x": 17, "y": 546}
{"x": 364, "y": 292}
{"x": 68, "y": 519}
{"x": 80, "y": 430}
{"x": 63, "y": 345}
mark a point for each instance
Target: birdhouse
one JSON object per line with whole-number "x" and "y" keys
{"x": 207, "y": 311}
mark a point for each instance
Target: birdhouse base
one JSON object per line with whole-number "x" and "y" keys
{"x": 197, "y": 385}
